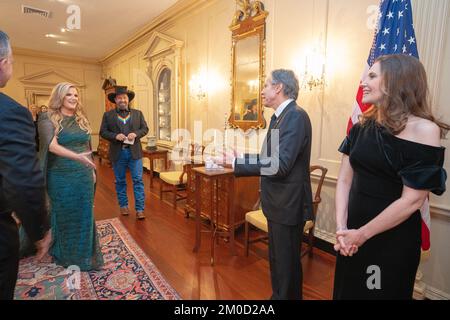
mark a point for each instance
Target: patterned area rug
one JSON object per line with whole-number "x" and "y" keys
{"x": 128, "y": 274}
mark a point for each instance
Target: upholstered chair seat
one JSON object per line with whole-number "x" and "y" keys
{"x": 257, "y": 219}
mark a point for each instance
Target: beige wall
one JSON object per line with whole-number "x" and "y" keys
{"x": 41, "y": 72}
{"x": 341, "y": 27}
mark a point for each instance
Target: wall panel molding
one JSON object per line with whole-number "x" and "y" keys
{"x": 435, "y": 209}
{"x": 436, "y": 294}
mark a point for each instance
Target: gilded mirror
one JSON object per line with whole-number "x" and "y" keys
{"x": 248, "y": 59}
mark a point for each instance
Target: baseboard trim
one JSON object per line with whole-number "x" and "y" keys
{"x": 322, "y": 245}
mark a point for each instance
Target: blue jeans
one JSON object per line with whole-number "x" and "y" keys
{"x": 120, "y": 168}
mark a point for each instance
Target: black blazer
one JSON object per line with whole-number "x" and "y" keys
{"x": 110, "y": 129}
{"x": 22, "y": 187}
{"x": 286, "y": 196}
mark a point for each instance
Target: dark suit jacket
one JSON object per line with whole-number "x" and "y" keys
{"x": 110, "y": 129}
{"x": 22, "y": 188}
{"x": 286, "y": 196}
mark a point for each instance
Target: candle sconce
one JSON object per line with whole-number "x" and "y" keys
{"x": 314, "y": 71}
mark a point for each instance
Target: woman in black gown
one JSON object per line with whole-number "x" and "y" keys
{"x": 392, "y": 159}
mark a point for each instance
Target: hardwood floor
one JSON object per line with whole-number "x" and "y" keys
{"x": 167, "y": 237}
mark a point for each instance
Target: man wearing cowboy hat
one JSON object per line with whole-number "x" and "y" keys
{"x": 123, "y": 128}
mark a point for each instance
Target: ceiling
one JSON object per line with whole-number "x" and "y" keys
{"x": 105, "y": 24}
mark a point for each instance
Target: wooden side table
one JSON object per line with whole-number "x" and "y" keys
{"x": 189, "y": 207}
{"x": 213, "y": 179}
{"x": 153, "y": 155}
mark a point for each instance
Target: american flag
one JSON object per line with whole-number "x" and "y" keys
{"x": 394, "y": 34}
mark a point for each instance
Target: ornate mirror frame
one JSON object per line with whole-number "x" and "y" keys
{"x": 249, "y": 21}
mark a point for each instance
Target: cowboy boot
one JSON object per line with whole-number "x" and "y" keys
{"x": 124, "y": 211}
{"x": 140, "y": 215}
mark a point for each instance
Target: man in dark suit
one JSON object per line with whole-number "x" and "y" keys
{"x": 124, "y": 127}
{"x": 22, "y": 187}
{"x": 283, "y": 165}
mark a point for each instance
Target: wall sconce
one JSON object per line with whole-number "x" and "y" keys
{"x": 313, "y": 82}
{"x": 314, "y": 72}
{"x": 197, "y": 87}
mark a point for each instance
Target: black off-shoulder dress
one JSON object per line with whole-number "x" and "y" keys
{"x": 382, "y": 165}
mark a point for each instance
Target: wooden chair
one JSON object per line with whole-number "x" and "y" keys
{"x": 175, "y": 181}
{"x": 257, "y": 219}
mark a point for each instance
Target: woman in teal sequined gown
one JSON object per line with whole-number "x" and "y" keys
{"x": 70, "y": 175}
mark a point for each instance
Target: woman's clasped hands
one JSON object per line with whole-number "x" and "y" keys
{"x": 349, "y": 241}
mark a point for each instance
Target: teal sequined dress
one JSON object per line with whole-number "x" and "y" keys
{"x": 70, "y": 189}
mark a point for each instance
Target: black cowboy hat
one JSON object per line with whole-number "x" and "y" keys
{"x": 121, "y": 90}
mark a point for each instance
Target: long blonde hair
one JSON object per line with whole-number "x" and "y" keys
{"x": 405, "y": 92}
{"x": 54, "y": 108}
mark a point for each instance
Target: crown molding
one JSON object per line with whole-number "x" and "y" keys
{"x": 178, "y": 10}
{"x": 53, "y": 56}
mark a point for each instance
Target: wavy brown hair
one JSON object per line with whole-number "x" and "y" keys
{"x": 405, "y": 92}
{"x": 54, "y": 108}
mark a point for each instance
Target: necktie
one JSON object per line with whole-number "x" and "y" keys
{"x": 273, "y": 119}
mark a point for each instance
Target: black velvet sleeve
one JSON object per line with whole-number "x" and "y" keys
{"x": 423, "y": 169}
{"x": 346, "y": 145}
